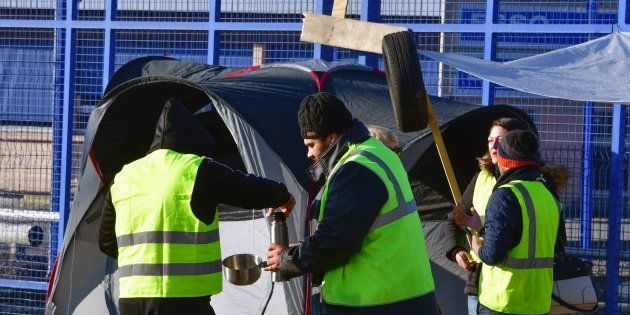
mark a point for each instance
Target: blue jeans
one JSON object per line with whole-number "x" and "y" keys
{"x": 473, "y": 300}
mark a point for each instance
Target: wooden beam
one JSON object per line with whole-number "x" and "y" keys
{"x": 346, "y": 33}
{"x": 340, "y": 7}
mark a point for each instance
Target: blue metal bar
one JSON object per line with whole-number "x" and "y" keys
{"x": 113, "y": 10}
{"x": 22, "y": 284}
{"x": 109, "y": 42}
{"x": 615, "y": 208}
{"x": 74, "y": 10}
{"x": 489, "y": 51}
{"x": 213, "y": 36}
{"x": 322, "y": 51}
{"x": 595, "y": 253}
{"x": 213, "y": 47}
{"x": 586, "y": 216}
{"x": 624, "y": 14}
{"x": 276, "y": 26}
{"x": 370, "y": 11}
{"x": 58, "y": 97}
{"x": 66, "y": 133}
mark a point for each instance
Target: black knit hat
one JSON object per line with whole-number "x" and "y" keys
{"x": 519, "y": 148}
{"x": 322, "y": 114}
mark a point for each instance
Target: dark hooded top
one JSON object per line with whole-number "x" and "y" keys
{"x": 215, "y": 184}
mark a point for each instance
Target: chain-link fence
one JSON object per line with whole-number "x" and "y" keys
{"x": 56, "y": 57}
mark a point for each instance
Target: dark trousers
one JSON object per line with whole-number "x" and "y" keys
{"x": 482, "y": 310}
{"x": 166, "y": 306}
{"x": 425, "y": 305}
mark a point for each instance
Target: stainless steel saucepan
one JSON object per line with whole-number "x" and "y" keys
{"x": 243, "y": 269}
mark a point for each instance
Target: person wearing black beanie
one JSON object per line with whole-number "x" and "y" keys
{"x": 358, "y": 214}
{"x": 519, "y": 234}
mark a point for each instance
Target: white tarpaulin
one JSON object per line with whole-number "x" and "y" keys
{"x": 598, "y": 70}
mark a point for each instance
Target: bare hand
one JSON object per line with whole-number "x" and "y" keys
{"x": 287, "y": 207}
{"x": 464, "y": 260}
{"x": 464, "y": 220}
{"x": 274, "y": 254}
{"x": 476, "y": 243}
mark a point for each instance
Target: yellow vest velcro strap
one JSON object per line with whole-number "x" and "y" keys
{"x": 172, "y": 237}
{"x": 528, "y": 263}
{"x": 179, "y": 269}
{"x": 403, "y": 209}
{"x": 529, "y": 206}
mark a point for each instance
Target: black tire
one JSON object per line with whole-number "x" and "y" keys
{"x": 404, "y": 79}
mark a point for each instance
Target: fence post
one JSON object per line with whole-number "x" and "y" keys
{"x": 109, "y": 43}
{"x": 62, "y": 125}
{"x": 587, "y": 178}
{"x": 320, "y": 51}
{"x": 213, "y": 35}
{"x": 615, "y": 207}
{"x": 370, "y": 11}
{"x": 489, "y": 51}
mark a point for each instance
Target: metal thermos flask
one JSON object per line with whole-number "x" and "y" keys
{"x": 280, "y": 236}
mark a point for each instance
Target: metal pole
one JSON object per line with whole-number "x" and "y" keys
{"x": 323, "y": 52}
{"x": 109, "y": 42}
{"x": 370, "y": 11}
{"x": 615, "y": 208}
{"x": 587, "y": 161}
{"x": 213, "y": 34}
{"x": 489, "y": 51}
{"x": 587, "y": 178}
{"x": 62, "y": 125}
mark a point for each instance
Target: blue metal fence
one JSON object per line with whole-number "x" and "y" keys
{"x": 56, "y": 57}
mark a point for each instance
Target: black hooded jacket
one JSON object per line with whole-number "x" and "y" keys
{"x": 215, "y": 184}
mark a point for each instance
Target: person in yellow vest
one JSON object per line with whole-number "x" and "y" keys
{"x": 519, "y": 233}
{"x": 160, "y": 219}
{"x": 368, "y": 250}
{"x": 476, "y": 195}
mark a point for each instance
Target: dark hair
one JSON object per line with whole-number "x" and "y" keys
{"x": 509, "y": 124}
{"x": 322, "y": 114}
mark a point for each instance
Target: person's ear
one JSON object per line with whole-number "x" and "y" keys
{"x": 332, "y": 138}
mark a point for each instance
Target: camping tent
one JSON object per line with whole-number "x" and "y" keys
{"x": 251, "y": 115}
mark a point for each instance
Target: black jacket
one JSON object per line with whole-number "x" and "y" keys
{"x": 455, "y": 238}
{"x": 215, "y": 182}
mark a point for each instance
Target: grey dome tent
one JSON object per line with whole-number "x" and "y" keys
{"x": 251, "y": 116}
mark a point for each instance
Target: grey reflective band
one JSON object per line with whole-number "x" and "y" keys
{"x": 531, "y": 262}
{"x": 168, "y": 237}
{"x": 528, "y": 263}
{"x": 179, "y": 269}
{"x": 403, "y": 209}
{"x": 399, "y": 212}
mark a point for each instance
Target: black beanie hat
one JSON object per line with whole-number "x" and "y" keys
{"x": 519, "y": 148}
{"x": 321, "y": 114}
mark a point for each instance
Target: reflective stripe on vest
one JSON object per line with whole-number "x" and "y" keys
{"x": 394, "y": 239}
{"x": 531, "y": 261}
{"x": 167, "y": 237}
{"x": 522, "y": 284}
{"x": 164, "y": 249}
{"x": 404, "y": 207}
{"x": 173, "y": 269}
